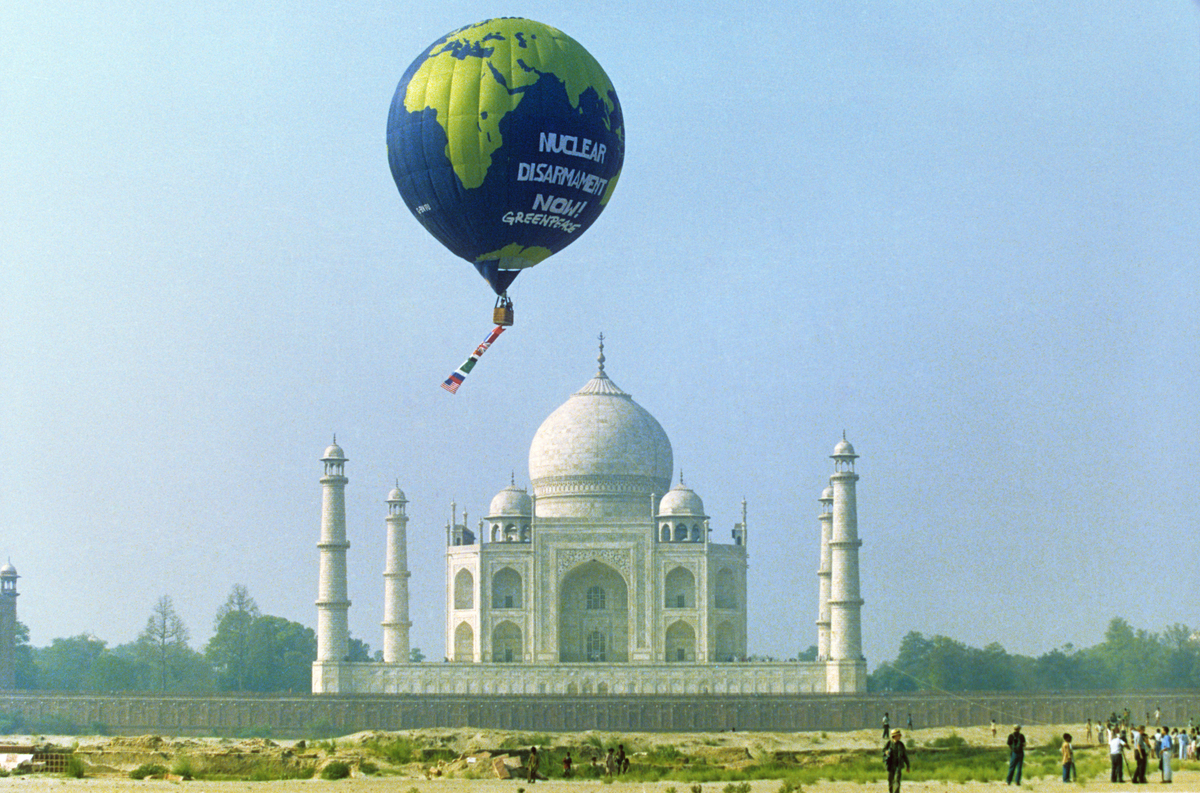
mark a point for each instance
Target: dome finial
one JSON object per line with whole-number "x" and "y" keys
{"x": 512, "y": 478}
{"x": 680, "y": 476}
{"x": 600, "y": 357}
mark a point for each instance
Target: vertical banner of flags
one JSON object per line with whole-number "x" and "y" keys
{"x": 455, "y": 380}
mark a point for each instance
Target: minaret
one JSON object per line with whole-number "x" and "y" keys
{"x": 846, "y": 670}
{"x": 824, "y": 573}
{"x": 332, "y": 603}
{"x": 8, "y": 627}
{"x": 395, "y": 581}
{"x": 740, "y": 530}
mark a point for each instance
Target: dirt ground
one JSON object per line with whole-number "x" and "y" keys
{"x": 110, "y": 759}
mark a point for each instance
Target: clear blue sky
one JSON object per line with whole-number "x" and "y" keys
{"x": 967, "y": 234}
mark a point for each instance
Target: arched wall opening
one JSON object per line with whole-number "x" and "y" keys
{"x": 680, "y": 643}
{"x": 679, "y": 589}
{"x": 507, "y": 646}
{"x": 593, "y": 615}
{"x": 464, "y": 643}
{"x": 506, "y": 589}
{"x": 464, "y": 590}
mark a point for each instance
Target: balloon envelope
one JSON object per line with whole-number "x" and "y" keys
{"x": 506, "y": 140}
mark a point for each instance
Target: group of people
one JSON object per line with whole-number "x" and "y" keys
{"x": 615, "y": 762}
{"x": 1164, "y": 744}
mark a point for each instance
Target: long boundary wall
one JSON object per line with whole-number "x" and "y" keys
{"x": 300, "y": 715}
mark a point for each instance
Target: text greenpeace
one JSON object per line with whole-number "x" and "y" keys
{"x": 557, "y": 174}
{"x": 555, "y": 211}
{"x": 540, "y": 219}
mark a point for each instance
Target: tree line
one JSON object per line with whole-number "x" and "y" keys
{"x": 1126, "y": 659}
{"x": 249, "y": 651}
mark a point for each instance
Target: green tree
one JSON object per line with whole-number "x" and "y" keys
{"x": 65, "y": 664}
{"x": 164, "y": 645}
{"x": 808, "y": 655}
{"x": 1131, "y": 658}
{"x": 991, "y": 669}
{"x": 26, "y": 669}
{"x": 888, "y": 678}
{"x": 119, "y": 669}
{"x": 358, "y": 650}
{"x": 1182, "y": 662}
{"x": 229, "y": 650}
{"x": 281, "y": 655}
{"x": 415, "y": 655}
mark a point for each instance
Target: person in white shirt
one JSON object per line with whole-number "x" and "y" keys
{"x": 1116, "y": 754}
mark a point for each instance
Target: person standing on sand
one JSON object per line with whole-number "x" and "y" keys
{"x": 1068, "y": 757}
{"x": 886, "y": 726}
{"x": 609, "y": 763}
{"x": 532, "y": 765}
{"x": 1141, "y": 753}
{"x": 993, "y": 728}
{"x": 1116, "y": 756}
{"x": 1089, "y": 731}
{"x": 1165, "y": 748}
{"x": 1016, "y": 754}
{"x": 896, "y": 758}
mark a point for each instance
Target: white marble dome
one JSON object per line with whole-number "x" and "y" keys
{"x": 598, "y": 441}
{"x": 843, "y": 449}
{"x": 681, "y": 501}
{"x": 511, "y": 501}
{"x": 334, "y": 452}
{"x": 8, "y": 570}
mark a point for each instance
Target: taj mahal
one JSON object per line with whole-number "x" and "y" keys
{"x": 603, "y": 578}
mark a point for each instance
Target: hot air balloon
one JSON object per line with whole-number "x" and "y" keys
{"x": 506, "y": 140}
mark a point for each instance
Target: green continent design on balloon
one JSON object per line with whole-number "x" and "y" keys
{"x": 506, "y": 140}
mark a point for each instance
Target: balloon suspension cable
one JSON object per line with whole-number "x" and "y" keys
{"x": 456, "y": 379}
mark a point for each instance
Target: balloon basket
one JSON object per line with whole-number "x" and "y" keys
{"x": 502, "y": 314}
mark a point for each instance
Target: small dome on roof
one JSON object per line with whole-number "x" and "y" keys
{"x": 681, "y": 500}
{"x": 396, "y": 495}
{"x": 8, "y": 571}
{"x": 844, "y": 449}
{"x": 334, "y": 452}
{"x": 827, "y": 494}
{"x": 512, "y": 500}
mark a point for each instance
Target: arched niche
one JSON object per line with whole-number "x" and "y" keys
{"x": 679, "y": 589}
{"x": 726, "y": 591}
{"x": 464, "y": 590}
{"x": 506, "y": 589}
{"x": 464, "y": 643}
{"x": 507, "y": 644}
{"x": 724, "y": 649}
{"x": 593, "y": 615}
{"x": 680, "y": 642}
